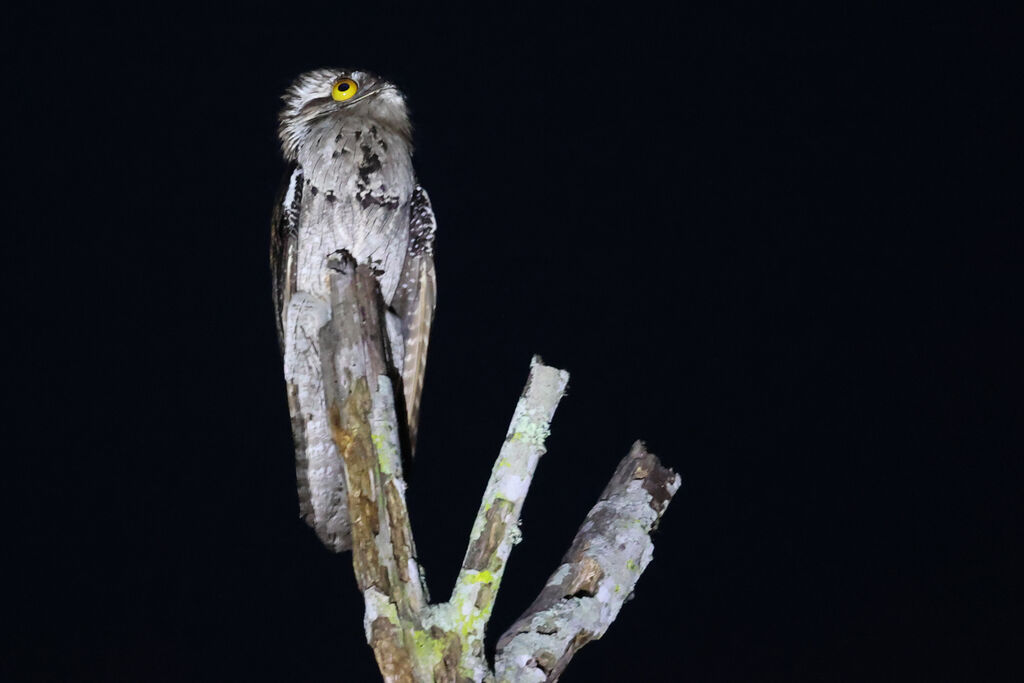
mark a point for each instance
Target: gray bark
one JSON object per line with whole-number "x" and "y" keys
{"x": 413, "y": 640}
{"x": 598, "y": 573}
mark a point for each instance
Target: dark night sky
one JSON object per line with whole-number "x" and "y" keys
{"x": 782, "y": 249}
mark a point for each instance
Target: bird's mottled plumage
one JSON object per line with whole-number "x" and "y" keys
{"x": 350, "y": 186}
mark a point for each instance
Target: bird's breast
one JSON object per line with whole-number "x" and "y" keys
{"x": 358, "y": 184}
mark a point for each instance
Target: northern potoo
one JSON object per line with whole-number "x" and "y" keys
{"x": 350, "y": 186}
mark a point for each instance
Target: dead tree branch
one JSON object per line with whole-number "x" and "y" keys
{"x": 416, "y": 641}
{"x": 361, "y": 409}
{"x": 598, "y": 573}
{"x": 496, "y": 527}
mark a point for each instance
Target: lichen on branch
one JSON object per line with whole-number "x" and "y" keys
{"x": 416, "y": 641}
{"x": 585, "y": 593}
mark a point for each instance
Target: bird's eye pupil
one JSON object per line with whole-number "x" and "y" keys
{"x": 343, "y": 87}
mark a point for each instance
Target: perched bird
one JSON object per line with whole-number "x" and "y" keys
{"x": 350, "y": 186}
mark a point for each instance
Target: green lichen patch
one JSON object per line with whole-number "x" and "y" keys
{"x": 530, "y": 432}
{"x": 385, "y": 452}
{"x": 479, "y": 577}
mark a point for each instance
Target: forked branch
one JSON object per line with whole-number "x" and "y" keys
{"x": 416, "y": 641}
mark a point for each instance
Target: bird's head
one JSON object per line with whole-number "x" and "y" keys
{"x": 359, "y": 96}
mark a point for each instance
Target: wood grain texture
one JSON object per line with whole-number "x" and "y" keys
{"x": 416, "y": 641}
{"x": 584, "y": 595}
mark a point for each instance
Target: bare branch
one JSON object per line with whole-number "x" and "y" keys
{"x": 361, "y": 411}
{"x": 496, "y": 528}
{"x": 414, "y": 641}
{"x": 584, "y": 595}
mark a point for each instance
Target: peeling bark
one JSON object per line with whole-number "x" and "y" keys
{"x": 600, "y": 570}
{"x": 496, "y": 528}
{"x": 416, "y": 641}
{"x": 392, "y": 659}
{"x": 361, "y": 413}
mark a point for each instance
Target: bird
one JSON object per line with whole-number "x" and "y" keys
{"x": 350, "y": 185}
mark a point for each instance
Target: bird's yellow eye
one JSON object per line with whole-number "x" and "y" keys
{"x": 344, "y": 89}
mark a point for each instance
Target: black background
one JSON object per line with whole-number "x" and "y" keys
{"x": 782, "y": 248}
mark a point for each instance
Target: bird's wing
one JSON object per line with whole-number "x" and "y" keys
{"x": 284, "y": 242}
{"x": 284, "y": 226}
{"x": 414, "y": 302}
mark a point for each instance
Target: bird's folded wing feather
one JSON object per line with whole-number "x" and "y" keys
{"x": 284, "y": 242}
{"x": 414, "y": 302}
{"x": 284, "y": 225}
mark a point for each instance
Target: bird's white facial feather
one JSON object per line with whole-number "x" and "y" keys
{"x": 309, "y": 99}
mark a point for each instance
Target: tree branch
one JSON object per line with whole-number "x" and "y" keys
{"x": 361, "y": 410}
{"x": 412, "y": 640}
{"x": 496, "y": 527}
{"x": 584, "y": 595}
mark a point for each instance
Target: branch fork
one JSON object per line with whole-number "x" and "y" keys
{"x": 412, "y": 639}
